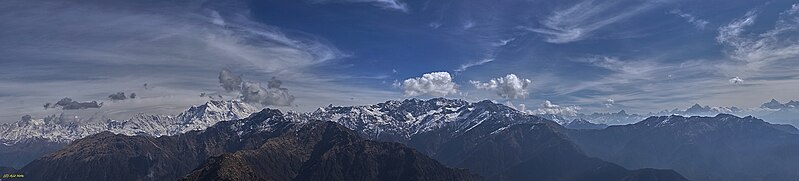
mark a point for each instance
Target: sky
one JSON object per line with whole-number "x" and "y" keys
{"x": 596, "y": 56}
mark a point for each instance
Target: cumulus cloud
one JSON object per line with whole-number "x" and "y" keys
{"x": 230, "y": 82}
{"x": 253, "y": 92}
{"x": 609, "y": 102}
{"x": 736, "y": 81}
{"x": 548, "y": 108}
{"x": 434, "y": 84}
{"x": 69, "y": 104}
{"x": 274, "y": 83}
{"x": 508, "y": 87}
{"x": 699, "y": 23}
{"x": 117, "y": 96}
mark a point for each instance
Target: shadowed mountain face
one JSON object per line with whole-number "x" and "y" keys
{"x": 275, "y": 148}
{"x": 490, "y": 139}
{"x": 29, "y": 139}
{"x": 21, "y": 153}
{"x": 326, "y": 152}
{"x": 723, "y": 147}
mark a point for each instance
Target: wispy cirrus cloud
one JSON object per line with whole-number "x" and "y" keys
{"x": 463, "y": 67}
{"x": 386, "y": 4}
{"x": 699, "y": 23}
{"x": 646, "y": 83}
{"x": 766, "y": 55}
{"x": 90, "y": 48}
{"x": 579, "y": 21}
{"x": 760, "y": 49}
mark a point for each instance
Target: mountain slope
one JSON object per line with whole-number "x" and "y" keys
{"x": 107, "y": 156}
{"x": 62, "y": 130}
{"x": 29, "y": 139}
{"x": 724, "y": 147}
{"x": 490, "y": 139}
{"x": 326, "y": 152}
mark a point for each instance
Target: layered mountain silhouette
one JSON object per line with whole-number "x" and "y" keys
{"x": 23, "y": 152}
{"x": 724, "y": 147}
{"x": 493, "y": 140}
{"x": 326, "y": 151}
{"x": 265, "y": 146}
{"x": 28, "y": 139}
{"x": 487, "y": 139}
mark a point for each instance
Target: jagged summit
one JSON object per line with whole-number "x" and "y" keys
{"x": 722, "y": 122}
{"x": 739, "y": 148}
{"x": 400, "y": 120}
{"x": 64, "y": 129}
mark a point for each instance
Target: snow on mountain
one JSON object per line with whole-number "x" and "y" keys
{"x": 401, "y": 120}
{"x": 621, "y": 117}
{"x": 61, "y": 129}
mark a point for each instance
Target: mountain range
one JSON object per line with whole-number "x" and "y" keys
{"x": 265, "y": 146}
{"x": 723, "y": 147}
{"x": 489, "y": 140}
{"x": 28, "y": 139}
{"x": 492, "y": 140}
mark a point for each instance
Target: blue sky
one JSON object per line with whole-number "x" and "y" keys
{"x": 602, "y": 56}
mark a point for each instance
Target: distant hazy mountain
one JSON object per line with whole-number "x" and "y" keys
{"x": 621, "y": 117}
{"x": 574, "y": 123}
{"x": 774, "y": 104}
{"x": 584, "y": 124}
{"x": 493, "y": 140}
{"x": 776, "y": 112}
{"x": 265, "y": 146}
{"x": 28, "y": 139}
{"x": 724, "y": 147}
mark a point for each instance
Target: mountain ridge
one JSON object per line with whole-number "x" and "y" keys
{"x": 108, "y": 156}
{"x": 723, "y": 147}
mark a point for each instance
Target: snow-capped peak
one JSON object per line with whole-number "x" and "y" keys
{"x": 60, "y": 129}
{"x": 400, "y": 120}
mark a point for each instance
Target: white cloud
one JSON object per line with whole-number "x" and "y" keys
{"x": 736, "y": 81}
{"x": 508, "y": 87}
{"x": 386, "y": 4}
{"x": 434, "y": 84}
{"x": 97, "y": 47}
{"x": 699, "y": 23}
{"x": 503, "y": 42}
{"x": 468, "y": 25}
{"x": 548, "y": 108}
{"x": 434, "y": 25}
{"x": 628, "y": 69}
{"x": 609, "y": 102}
{"x": 253, "y": 92}
{"x": 758, "y": 50}
{"x": 472, "y": 64}
{"x": 577, "y": 22}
